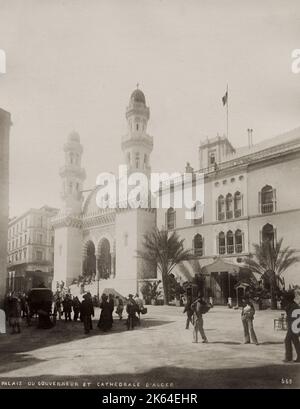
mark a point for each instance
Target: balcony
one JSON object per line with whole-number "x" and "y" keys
{"x": 221, "y": 216}
{"x": 230, "y": 248}
{"x": 237, "y": 213}
{"x": 222, "y": 249}
{"x": 229, "y": 214}
{"x": 267, "y": 207}
{"x": 238, "y": 248}
{"x": 198, "y": 252}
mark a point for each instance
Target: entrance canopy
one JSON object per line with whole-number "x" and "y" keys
{"x": 221, "y": 266}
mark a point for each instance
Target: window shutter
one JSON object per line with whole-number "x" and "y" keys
{"x": 259, "y": 202}
{"x": 274, "y": 200}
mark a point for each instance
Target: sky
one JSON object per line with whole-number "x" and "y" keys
{"x": 72, "y": 65}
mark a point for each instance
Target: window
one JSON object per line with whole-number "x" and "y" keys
{"x": 221, "y": 243}
{"x": 267, "y": 199}
{"x": 230, "y": 242}
{"x": 128, "y": 158}
{"x": 229, "y": 206}
{"x": 24, "y": 253}
{"x": 40, "y": 238}
{"x": 71, "y": 158}
{"x": 268, "y": 234}
{"x": 70, "y": 187}
{"x": 145, "y": 161}
{"x": 198, "y": 245}
{"x": 171, "y": 218}
{"x": 221, "y": 208}
{"x": 237, "y": 204}
{"x": 238, "y": 241}
{"x": 137, "y": 127}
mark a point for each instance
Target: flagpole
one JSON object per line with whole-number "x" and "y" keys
{"x": 227, "y": 112}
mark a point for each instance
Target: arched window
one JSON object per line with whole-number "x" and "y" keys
{"x": 170, "y": 218}
{"x": 238, "y": 241}
{"x": 268, "y": 233}
{"x": 198, "y": 213}
{"x": 198, "y": 245}
{"x": 229, "y": 206}
{"x": 267, "y": 199}
{"x": 221, "y": 243}
{"x": 230, "y": 242}
{"x": 137, "y": 160}
{"x": 237, "y": 204}
{"x": 221, "y": 208}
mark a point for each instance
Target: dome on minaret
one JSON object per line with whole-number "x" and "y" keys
{"x": 138, "y": 96}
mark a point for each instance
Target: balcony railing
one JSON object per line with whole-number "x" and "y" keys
{"x": 229, "y": 214}
{"x": 198, "y": 252}
{"x": 238, "y": 248}
{"x": 230, "y": 248}
{"x": 267, "y": 207}
{"x": 222, "y": 249}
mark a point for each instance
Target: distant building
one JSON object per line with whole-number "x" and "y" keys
{"x": 30, "y": 249}
{"x": 250, "y": 194}
{"x": 5, "y": 123}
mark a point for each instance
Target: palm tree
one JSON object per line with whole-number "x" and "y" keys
{"x": 165, "y": 250}
{"x": 271, "y": 261}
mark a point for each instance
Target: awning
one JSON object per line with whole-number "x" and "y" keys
{"x": 221, "y": 266}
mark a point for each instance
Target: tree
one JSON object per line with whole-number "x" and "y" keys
{"x": 271, "y": 261}
{"x": 165, "y": 250}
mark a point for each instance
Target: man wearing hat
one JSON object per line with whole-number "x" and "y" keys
{"x": 86, "y": 312}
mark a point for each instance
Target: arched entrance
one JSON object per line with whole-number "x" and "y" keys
{"x": 104, "y": 260}
{"x": 89, "y": 259}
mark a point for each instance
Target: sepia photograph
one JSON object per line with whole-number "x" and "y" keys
{"x": 149, "y": 197}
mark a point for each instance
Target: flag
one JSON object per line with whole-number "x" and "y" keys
{"x": 225, "y": 98}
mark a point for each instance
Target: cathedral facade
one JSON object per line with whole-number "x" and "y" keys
{"x": 97, "y": 242}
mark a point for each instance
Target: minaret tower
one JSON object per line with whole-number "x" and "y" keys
{"x": 137, "y": 145}
{"x": 68, "y": 223}
{"x": 72, "y": 175}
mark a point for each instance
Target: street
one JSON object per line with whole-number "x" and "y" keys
{"x": 158, "y": 354}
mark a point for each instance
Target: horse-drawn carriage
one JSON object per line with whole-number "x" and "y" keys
{"x": 40, "y": 304}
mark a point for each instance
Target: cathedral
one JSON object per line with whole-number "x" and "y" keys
{"x": 102, "y": 243}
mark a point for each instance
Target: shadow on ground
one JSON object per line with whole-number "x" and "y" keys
{"x": 264, "y": 377}
{"x": 13, "y": 348}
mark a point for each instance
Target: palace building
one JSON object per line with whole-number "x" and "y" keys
{"x": 250, "y": 194}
